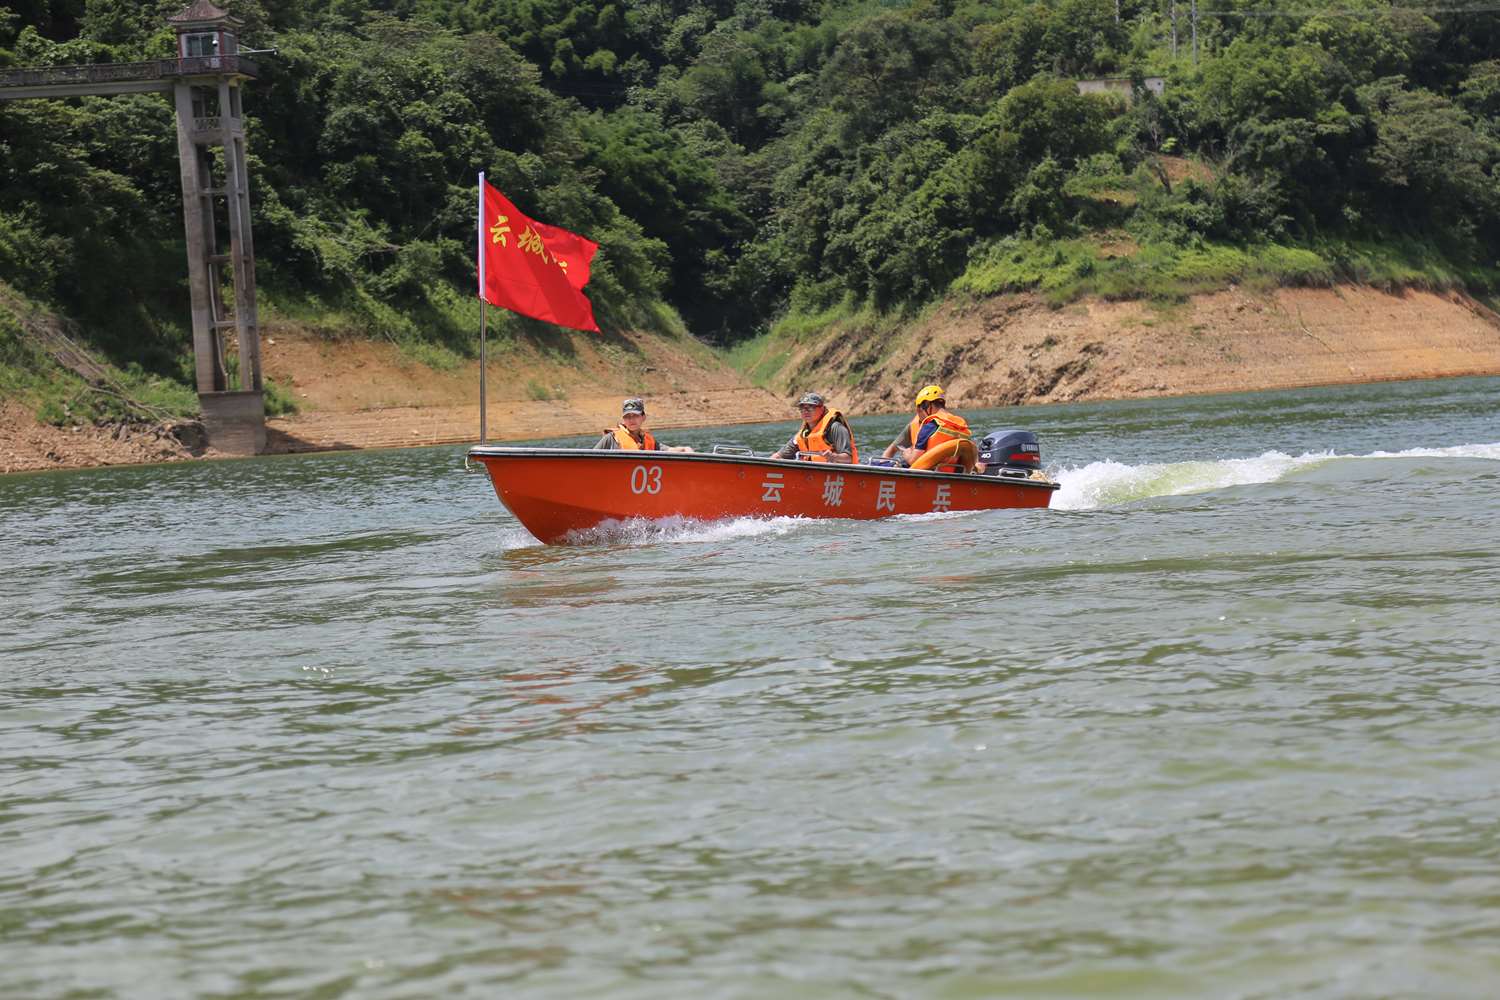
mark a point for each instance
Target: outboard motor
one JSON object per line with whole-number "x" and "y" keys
{"x": 1010, "y": 453}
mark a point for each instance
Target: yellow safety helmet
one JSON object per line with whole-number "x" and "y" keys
{"x": 929, "y": 393}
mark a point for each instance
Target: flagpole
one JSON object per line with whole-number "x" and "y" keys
{"x": 483, "y": 317}
{"x": 483, "y": 362}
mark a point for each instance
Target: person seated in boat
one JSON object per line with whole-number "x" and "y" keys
{"x": 931, "y": 429}
{"x": 908, "y": 436}
{"x": 630, "y": 435}
{"x": 825, "y": 436}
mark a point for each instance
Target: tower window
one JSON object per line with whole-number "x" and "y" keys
{"x": 200, "y": 45}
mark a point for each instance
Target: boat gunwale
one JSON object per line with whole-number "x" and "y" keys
{"x": 621, "y": 455}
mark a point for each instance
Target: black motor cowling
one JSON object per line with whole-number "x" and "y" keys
{"x": 1010, "y": 453}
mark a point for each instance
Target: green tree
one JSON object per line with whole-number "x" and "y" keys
{"x": 1429, "y": 158}
{"x": 888, "y": 68}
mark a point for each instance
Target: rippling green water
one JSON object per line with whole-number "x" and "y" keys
{"x": 1225, "y": 723}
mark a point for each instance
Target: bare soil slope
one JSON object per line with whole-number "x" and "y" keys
{"x": 368, "y": 394}
{"x": 1015, "y": 349}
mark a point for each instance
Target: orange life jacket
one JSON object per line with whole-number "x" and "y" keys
{"x": 627, "y": 440}
{"x": 814, "y": 439}
{"x": 950, "y": 427}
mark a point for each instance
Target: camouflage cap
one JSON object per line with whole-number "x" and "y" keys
{"x": 633, "y": 405}
{"x": 810, "y": 399}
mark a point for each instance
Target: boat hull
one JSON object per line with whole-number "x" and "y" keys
{"x": 558, "y": 493}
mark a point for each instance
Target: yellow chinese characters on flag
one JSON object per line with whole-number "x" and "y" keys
{"x": 530, "y": 267}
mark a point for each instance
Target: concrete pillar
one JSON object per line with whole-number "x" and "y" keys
{"x": 216, "y": 312}
{"x": 241, "y": 243}
{"x": 234, "y": 415}
{"x": 235, "y": 421}
{"x": 196, "y": 220}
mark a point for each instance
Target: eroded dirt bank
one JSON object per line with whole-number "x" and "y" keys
{"x": 28, "y": 445}
{"x": 1015, "y": 350}
{"x": 359, "y": 394}
{"x": 364, "y": 394}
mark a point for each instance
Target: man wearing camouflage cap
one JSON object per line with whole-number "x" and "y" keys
{"x": 630, "y": 434}
{"x": 825, "y": 436}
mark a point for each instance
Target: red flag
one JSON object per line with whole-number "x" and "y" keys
{"x": 530, "y": 267}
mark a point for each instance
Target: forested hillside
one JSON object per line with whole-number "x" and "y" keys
{"x": 744, "y": 162}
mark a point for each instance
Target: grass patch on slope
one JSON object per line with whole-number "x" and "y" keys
{"x": 765, "y": 356}
{"x": 129, "y": 394}
{"x": 59, "y": 396}
{"x": 764, "y": 359}
{"x": 760, "y": 357}
{"x": 1066, "y": 270}
{"x": 1404, "y": 262}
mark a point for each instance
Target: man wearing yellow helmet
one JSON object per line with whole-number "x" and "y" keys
{"x": 933, "y": 425}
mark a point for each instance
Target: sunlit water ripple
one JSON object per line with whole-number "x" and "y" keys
{"x": 1224, "y": 722}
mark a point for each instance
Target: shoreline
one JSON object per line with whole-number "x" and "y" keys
{"x": 660, "y": 427}
{"x": 1001, "y": 352}
{"x": 88, "y": 447}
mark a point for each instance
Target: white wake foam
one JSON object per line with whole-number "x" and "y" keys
{"x": 639, "y": 531}
{"x": 1102, "y": 484}
{"x": 1490, "y": 451}
{"x": 517, "y": 538}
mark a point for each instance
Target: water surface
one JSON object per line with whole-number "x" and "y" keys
{"x": 1224, "y": 722}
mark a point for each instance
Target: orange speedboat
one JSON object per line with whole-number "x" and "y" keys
{"x": 558, "y": 493}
